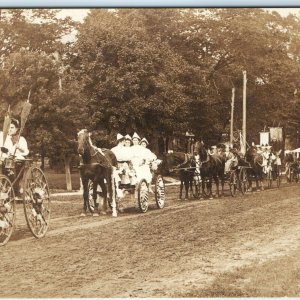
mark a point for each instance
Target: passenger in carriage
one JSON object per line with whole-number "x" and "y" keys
{"x": 141, "y": 158}
{"x": 268, "y": 158}
{"x": 128, "y": 140}
{"x": 230, "y": 158}
{"x": 13, "y": 144}
{"x": 122, "y": 154}
{"x": 213, "y": 150}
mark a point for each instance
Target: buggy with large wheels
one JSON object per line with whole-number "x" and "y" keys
{"x": 26, "y": 179}
{"x": 293, "y": 172}
{"x": 138, "y": 187}
{"x": 273, "y": 174}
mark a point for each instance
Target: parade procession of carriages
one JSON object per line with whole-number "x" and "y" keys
{"x": 130, "y": 169}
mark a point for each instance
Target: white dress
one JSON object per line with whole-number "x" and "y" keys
{"x": 11, "y": 147}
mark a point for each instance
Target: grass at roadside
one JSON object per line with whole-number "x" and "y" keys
{"x": 57, "y": 181}
{"x": 279, "y": 277}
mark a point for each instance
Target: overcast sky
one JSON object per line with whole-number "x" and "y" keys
{"x": 79, "y": 14}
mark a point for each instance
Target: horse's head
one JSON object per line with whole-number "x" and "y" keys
{"x": 251, "y": 153}
{"x": 170, "y": 161}
{"x": 202, "y": 152}
{"x": 83, "y": 141}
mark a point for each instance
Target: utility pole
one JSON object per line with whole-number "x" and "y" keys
{"x": 231, "y": 120}
{"x": 244, "y": 111}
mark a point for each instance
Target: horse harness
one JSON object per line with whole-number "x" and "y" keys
{"x": 187, "y": 159}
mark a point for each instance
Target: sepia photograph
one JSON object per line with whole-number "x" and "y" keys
{"x": 149, "y": 152}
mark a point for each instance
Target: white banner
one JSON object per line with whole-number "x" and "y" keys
{"x": 264, "y": 138}
{"x": 276, "y": 134}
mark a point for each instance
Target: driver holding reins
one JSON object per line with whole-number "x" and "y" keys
{"x": 14, "y": 144}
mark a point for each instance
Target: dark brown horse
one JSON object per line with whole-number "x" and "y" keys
{"x": 211, "y": 168}
{"x": 184, "y": 164}
{"x": 255, "y": 161}
{"x": 98, "y": 166}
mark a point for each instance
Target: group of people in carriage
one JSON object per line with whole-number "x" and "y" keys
{"x": 135, "y": 161}
{"x": 233, "y": 156}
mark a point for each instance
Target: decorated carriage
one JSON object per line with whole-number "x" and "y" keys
{"x": 136, "y": 186}
{"x": 102, "y": 175}
{"x": 25, "y": 178}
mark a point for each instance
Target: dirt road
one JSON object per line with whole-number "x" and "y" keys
{"x": 193, "y": 248}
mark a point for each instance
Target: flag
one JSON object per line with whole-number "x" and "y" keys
{"x": 6, "y": 125}
{"x": 264, "y": 138}
{"x": 276, "y": 134}
{"x": 24, "y": 114}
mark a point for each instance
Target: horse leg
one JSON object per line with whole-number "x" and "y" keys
{"x": 181, "y": 187}
{"x": 221, "y": 180}
{"x": 261, "y": 181}
{"x": 111, "y": 182}
{"x": 96, "y": 205}
{"x": 216, "y": 179}
{"x": 85, "y": 195}
{"x": 186, "y": 186}
{"x": 209, "y": 188}
{"x": 203, "y": 185}
{"x": 104, "y": 195}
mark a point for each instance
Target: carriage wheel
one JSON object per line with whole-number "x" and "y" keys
{"x": 197, "y": 186}
{"x": 233, "y": 183}
{"x": 7, "y": 210}
{"x": 243, "y": 180}
{"x": 143, "y": 195}
{"x": 160, "y": 196}
{"x": 36, "y": 200}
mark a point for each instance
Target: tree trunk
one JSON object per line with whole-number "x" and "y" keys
{"x": 67, "y": 160}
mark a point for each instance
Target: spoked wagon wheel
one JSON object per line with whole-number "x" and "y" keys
{"x": 197, "y": 186}
{"x": 143, "y": 195}
{"x": 7, "y": 210}
{"x": 36, "y": 200}
{"x": 243, "y": 180}
{"x": 233, "y": 183}
{"x": 160, "y": 196}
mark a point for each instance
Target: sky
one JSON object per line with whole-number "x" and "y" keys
{"x": 79, "y": 14}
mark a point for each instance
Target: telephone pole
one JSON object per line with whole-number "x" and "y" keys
{"x": 244, "y": 111}
{"x": 231, "y": 119}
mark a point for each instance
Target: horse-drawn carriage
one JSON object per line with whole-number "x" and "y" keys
{"x": 101, "y": 176}
{"x": 27, "y": 179}
{"x": 140, "y": 191}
